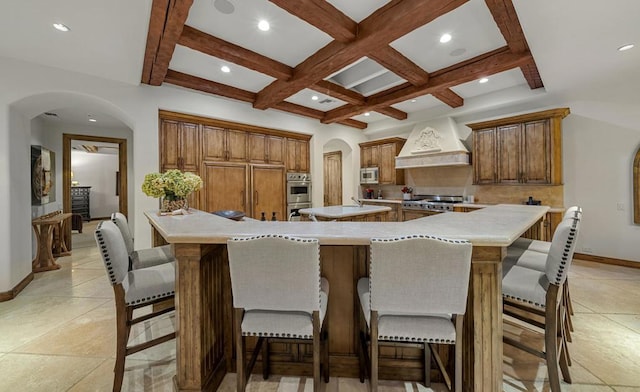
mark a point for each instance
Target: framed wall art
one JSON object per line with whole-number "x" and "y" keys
{"x": 43, "y": 176}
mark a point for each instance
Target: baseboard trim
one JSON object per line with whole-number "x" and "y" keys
{"x": 11, "y": 294}
{"x": 607, "y": 260}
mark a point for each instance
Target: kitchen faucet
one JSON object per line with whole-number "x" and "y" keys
{"x": 359, "y": 202}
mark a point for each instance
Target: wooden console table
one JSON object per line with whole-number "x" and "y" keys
{"x": 49, "y": 231}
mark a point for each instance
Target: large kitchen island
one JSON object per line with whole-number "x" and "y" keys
{"x": 205, "y": 350}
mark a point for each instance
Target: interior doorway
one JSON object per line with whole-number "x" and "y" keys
{"x": 332, "y": 169}
{"x": 122, "y": 188}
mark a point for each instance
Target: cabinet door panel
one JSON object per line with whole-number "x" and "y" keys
{"x": 169, "y": 145}
{"x": 257, "y": 148}
{"x": 225, "y": 187}
{"x": 268, "y": 192}
{"x": 508, "y": 154}
{"x": 387, "y": 164}
{"x": 237, "y": 146}
{"x": 536, "y": 148}
{"x": 189, "y": 142}
{"x": 213, "y": 143}
{"x": 303, "y": 156}
{"x": 484, "y": 157}
{"x": 275, "y": 150}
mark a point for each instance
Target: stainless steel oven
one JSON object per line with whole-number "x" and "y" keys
{"x": 298, "y": 188}
{"x": 293, "y": 213}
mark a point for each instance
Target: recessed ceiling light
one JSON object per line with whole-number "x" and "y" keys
{"x": 315, "y": 97}
{"x": 625, "y": 47}
{"x": 224, "y": 6}
{"x": 483, "y": 80}
{"x": 264, "y": 25}
{"x": 413, "y": 100}
{"x": 444, "y": 38}
{"x": 225, "y": 69}
{"x": 91, "y": 119}
{"x": 61, "y": 27}
{"x": 367, "y": 113}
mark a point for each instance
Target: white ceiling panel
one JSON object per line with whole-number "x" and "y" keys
{"x": 358, "y": 9}
{"x": 289, "y": 41}
{"x": 421, "y": 103}
{"x": 499, "y": 81}
{"x": 323, "y": 103}
{"x": 473, "y": 32}
{"x": 371, "y": 118}
{"x": 208, "y": 67}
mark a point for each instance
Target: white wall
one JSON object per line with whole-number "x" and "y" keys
{"x": 601, "y": 134}
{"x": 99, "y": 172}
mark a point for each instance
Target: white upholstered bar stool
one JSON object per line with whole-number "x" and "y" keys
{"x": 416, "y": 294}
{"x": 539, "y": 293}
{"x": 132, "y": 289}
{"x": 278, "y": 293}
{"x": 141, "y": 258}
{"x": 542, "y": 246}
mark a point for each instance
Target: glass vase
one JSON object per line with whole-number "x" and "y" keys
{"x": 174, "y": 204}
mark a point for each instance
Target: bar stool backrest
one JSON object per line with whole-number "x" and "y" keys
{"x": 561, "y": 251}
{"x": 418, "y": 275}
{"x": 121, "y": 221}
{"x": 275, "y": 272}
{"x": 113, "y": 251}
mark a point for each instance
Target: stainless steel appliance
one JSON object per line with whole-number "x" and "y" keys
{"x": 298, "y": 188}
{"x": 436, "y": 203}
{"x": 293, "y": 213}
{"x": 369, "y": 175}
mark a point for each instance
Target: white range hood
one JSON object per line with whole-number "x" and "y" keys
{"x": 434, "y": 143}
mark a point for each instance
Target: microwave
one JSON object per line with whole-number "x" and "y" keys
{"x": 369, "y": 175}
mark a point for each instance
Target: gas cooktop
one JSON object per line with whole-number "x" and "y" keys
{"x": 437, "y": 203}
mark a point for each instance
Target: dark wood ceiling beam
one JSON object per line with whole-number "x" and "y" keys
{"x": 322, "y": 15}
{"x": 506, "y": 18}
{"x": 213, "y": 46}
{"x": 384, "y": 26}
{"x": 173, "y": 22}
{"x": 159, "y": 10}
{"x": 392, "y": 112}
{"x": 449, "y": 97}
{"x": 208, "y": 86}
{"x": 488, "y": 64}
{"x": 397, "y": 63}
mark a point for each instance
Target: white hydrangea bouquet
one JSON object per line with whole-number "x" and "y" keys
{"x": 173, "y": 187}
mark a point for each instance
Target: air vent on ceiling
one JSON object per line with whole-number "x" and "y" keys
{"x": 326, "y": 100}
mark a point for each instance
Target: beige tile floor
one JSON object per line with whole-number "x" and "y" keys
{"x": 58, "y": 335}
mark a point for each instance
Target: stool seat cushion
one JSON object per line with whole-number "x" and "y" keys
{"x": 527, "y": 285}
{"x": 143, "y": 258}
{"x": 524, "y": 258}
{"x": 148, "y": 284}
{"x": 534, "y": 245}
{"x": 284, "y": 324}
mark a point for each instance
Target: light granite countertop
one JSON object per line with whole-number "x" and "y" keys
{"x": 336, "y": 212}
{"x": 497, "y": 225}
{"x": 480, "y": 205}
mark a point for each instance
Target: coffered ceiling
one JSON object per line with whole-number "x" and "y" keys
{"x": 360, "y": 60}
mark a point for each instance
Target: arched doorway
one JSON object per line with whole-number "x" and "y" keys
{"x": 343, "y": 180}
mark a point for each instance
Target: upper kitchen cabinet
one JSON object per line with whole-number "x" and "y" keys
{"x": 298, "y": 155}
{"x": 179, "y": 142}
{"x": 525, "y": 149}
{"x": 222, "y": 144}
{"x": 266, "y": 149}
{"x": 382, "y": 154}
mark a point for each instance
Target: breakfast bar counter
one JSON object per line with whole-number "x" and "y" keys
{"x": 205, "y": 350}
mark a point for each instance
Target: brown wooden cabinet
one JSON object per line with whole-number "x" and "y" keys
{"x": 298, "y": 155}
{"x": 524, "y": 149}
{"x": 179, "y": 145}
{"x": 221, "y": 144}
{"x": 242, "y": 166}
{"x": 268, "y": 192}
{"x": 225, "y": 187}
{"x": 382, "y": 154}
{"x": 266, "y": 149}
